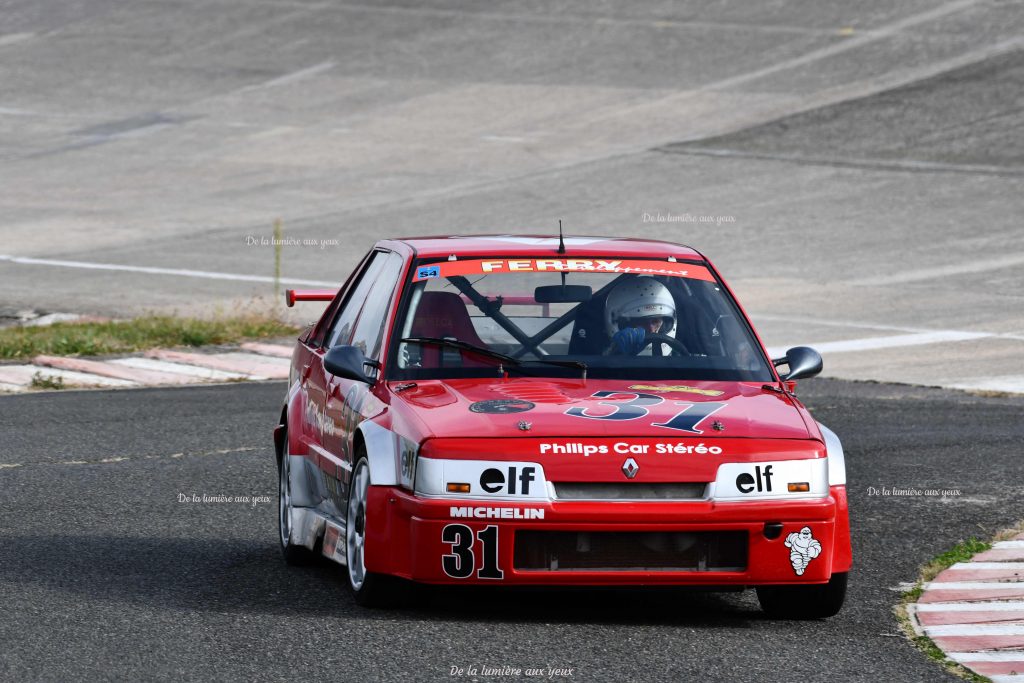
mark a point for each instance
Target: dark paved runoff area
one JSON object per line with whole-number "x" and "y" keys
{"x": 104, "y": 575}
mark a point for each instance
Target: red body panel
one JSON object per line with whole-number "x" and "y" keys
{"x": 677, "y": 459}
{"x": 406, "y": 538}
{"x": 404, "y": 531}
{"x": 749, "y": 411}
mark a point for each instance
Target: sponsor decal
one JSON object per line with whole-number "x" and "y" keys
{"x": 760, "y": 481}
{"x": 803, "y": 548}
{"x": 461, "y": 561}
{"x": 317, "y": 417}
{"x": 426, "y": 272}
{"x": 492, "y": 480}
{"x": 528, "y": 265}
{"x": 677, "y": 388}
{"x": 502, "y": 406}
{"x": 331, "y": 536}
{"x": 483, "y": 512}
{"x": 633, "y": 405}
{"x": 626, "y": 448}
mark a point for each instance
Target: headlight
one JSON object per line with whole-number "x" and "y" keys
{"x": 767, "y": 480}
{"x": 481, "y": 479}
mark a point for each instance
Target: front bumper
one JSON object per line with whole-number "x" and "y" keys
{"x": 409, "y": 536}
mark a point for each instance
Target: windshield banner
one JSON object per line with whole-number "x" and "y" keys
{"x": 527, "y": 265}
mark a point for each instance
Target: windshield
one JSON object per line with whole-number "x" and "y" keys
{"x": 612, "y": 319}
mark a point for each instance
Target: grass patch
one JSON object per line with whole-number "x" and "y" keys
{"x": 961, "y": 552}
{"x": 41, "y": 381}
{"x": 147, "y": 332}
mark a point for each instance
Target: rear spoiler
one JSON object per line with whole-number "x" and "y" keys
{"x": 293, "y": 295}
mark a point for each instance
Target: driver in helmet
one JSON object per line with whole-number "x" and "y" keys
{"x": 635, "y": 308}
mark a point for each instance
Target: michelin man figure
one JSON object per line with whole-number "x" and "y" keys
{"x": 803, "y": 548}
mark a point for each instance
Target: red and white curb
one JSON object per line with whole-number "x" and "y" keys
{"x": 974, "y": 612}
{"x": 253, "y": 361}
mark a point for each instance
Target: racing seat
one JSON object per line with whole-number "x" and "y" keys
{"x": 444, "y": 315}
{"x": 589, "y": 337}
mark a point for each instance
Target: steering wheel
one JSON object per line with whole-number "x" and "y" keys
{"x": 652, "y": 337}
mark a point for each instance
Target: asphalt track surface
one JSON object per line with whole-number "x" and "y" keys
{"x": 105, "y": 575}
{"x": 860, "y": 162}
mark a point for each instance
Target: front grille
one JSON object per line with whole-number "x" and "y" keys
{"x": 702, "y": 551}
{"x": 628, "y": 491}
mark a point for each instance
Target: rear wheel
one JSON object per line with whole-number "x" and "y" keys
{"x": 370, "y": 589}
{"x": 804, "y": 602}
{"x": 293, "y": 554}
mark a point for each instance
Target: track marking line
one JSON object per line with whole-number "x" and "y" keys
{"x": 24, "y": 374}
{"x": 127, "y": 458}
{"x": 895, "y": 341}
{"x": 256, "y": 367}
{"x": 879, "y": 326}
{"x": 846, "y": 44}
{"x": 988, "y": 606}
{"x": 179, "y": 272}
{"x": 973, "y": 585}
{"x": 961, "y": 268}
{"x": 15, "y": 38}
{"x": 976, "y": 630}
{"x": 289, "y": 78}
{"x": 200, "y": 373}
{"x": 276, "y": 350}
{"x": 986, "y": 656}
{"x": 914, "y": 165}
{"x": 1013, "y": 384}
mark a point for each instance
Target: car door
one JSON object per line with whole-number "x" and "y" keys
{"x": 360, "y": 322}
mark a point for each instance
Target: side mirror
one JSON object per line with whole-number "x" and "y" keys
{"x": 347, "y": 362}
{"x": 803, "y": 362}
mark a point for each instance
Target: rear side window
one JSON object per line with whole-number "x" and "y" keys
{"x": 369, "y": 328}
{"x": 342, "y": 328}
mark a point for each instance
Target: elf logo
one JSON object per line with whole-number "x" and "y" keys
{"x": 760, "y": 481}
{"x": 493, "y": 480}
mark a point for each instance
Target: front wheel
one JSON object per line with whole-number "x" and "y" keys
{"x": 804, "y": 602}
{"x": 370, "y": 589}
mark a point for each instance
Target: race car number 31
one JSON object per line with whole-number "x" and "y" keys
{"x": 461, "y": 561}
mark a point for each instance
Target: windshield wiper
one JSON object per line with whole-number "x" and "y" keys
{"x": 463, "y": 346}
{"x": 561, "y": 363}
{"x": 509, "y": 360}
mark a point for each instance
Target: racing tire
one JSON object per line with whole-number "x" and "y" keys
{"x": 804, "y": 602}
{"x": 295, "y": 555}
{"x": 368, "y": 588}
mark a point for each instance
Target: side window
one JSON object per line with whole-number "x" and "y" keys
{"x": 341, "y": 329}
{"x": 322, "y": 329}
{"x": 370, "y": 326}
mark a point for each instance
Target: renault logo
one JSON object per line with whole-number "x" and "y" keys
{"x": 630, "y": 468}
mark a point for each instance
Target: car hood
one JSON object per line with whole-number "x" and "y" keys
{"x": 489, "y": 408}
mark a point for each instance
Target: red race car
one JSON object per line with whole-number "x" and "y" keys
{"x": 548, "y": 411}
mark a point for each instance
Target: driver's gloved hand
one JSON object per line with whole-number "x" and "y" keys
{"x": 628, "y": 342}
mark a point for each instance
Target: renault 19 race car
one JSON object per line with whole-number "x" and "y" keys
{"x": 538, "y": 411}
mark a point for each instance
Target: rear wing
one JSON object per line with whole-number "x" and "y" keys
{"x": 293, "y": 295}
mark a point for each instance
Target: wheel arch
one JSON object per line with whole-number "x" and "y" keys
{"x": 280, "y": 433}
{"x": 836, "y": 457}
{"x": 382, "y": 452}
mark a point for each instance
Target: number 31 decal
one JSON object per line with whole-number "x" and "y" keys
{"x": 459, "y": 564}
{"x": 631, "y": 405}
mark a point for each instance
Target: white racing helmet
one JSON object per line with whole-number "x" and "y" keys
{"x": 641, "y": 297}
